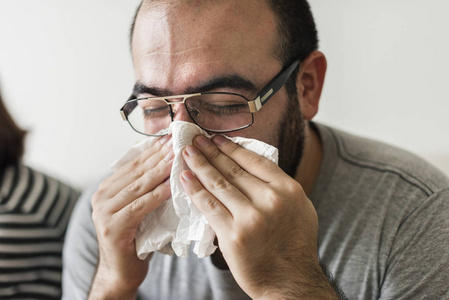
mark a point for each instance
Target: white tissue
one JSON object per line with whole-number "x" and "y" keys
{"x": 175, "y": 224}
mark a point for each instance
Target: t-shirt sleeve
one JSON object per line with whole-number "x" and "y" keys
{"x": 418, "y": 264}
{"x": 80, "y": 254}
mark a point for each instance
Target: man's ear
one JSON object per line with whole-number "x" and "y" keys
{"x": 310, "y": 83}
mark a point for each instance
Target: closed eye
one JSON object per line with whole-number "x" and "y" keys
{"x": 224, "y": 109}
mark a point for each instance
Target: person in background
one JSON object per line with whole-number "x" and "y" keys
{"x": 34, "y": 212}
{"x": 341, "y": 216}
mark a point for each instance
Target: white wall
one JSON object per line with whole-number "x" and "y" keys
{"x": 388, "y": 67}
{"x": 65, "y": 70}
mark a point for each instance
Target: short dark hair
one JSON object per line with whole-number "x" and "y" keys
{"x": 11, "y": 138}
{"x": 297, "y": 33}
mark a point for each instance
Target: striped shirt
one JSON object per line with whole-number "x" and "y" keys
{"x": 34, "y": 212}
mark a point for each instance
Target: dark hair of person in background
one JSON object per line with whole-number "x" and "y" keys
{"x": 11, "y": 138}
{"x": 34, "y": 211}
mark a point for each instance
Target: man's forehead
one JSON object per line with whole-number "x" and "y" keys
{"x": 179, "y": 42}
{"x": 198, "y": 5}
{"x": 212, "y": 16}
{"x": 193, "y": 3}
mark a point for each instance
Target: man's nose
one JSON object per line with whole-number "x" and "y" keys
{"x": 180, "y": 113}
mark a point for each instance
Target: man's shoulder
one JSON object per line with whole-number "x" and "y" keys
{"x": 382, "y": 213}
{"x": 378, "y": 158}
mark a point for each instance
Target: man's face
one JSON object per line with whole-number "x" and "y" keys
{"x": 179, "y": 48}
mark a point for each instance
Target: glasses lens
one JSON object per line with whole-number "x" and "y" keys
{"x": 219, "y": 112}
{"x": 148, "y": 116}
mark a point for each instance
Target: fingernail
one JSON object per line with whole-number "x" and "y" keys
{"x": 201, "y": 141}
{"x": 219, "y": 140}
{"x": 191, "y": 150}
{"x": 186, "y": 176}
{"x": 170, "y": 155}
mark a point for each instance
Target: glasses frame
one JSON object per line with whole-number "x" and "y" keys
{"x": 262, "y": 97}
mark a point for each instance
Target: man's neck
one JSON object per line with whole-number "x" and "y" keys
{"x": 309, "y": 167}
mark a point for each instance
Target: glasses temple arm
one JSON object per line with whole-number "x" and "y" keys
{"x": 272, "y": 87}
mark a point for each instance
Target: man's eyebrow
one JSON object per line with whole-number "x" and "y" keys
{"x": 140, "y": 88}
{"x": 230, "y": 81}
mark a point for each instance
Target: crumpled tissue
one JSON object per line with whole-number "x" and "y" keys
{"x": 176, "y": 223}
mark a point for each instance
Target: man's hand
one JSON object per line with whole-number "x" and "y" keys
{"x": 267, "y": 228}
{"x": 119, "y": 206}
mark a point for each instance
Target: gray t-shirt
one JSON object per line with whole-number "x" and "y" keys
{"x": 384, "y": 231}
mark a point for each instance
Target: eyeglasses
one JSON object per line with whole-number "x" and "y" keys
{"x": 216, "y": 112}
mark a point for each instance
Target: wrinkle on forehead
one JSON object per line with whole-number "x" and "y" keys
{"x": 182, "y": 23}
{"x": 184, "y": 43}
{"x": 197, "y": 4}
{"x": 180, "y": 52}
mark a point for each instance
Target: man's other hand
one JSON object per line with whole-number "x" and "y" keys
{"x": 119, "y": 206}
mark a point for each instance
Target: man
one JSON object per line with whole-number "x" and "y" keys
{"x": 373, "y": 214}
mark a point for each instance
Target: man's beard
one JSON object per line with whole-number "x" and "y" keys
{"x": 291, "y": 137}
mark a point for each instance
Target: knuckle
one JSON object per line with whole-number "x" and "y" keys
{"x": 95, "y": 215}
{"x": 136, "y": 163}
{"x": 256, "y": 160}
{"x": 293, "y": 187}
{"x": 210, "y": 205}
{"x": 220, "y": 183}
{"x": 135, "y": 206}
{"x": 236, "y": 238}
{"x": 134, "y": 187}
{"x": 127, "y": 214}
{"x": 196, "y": 189}
{"x": 274, "y": 201}
{"x": 215, "y": 154}
{"x": 103, "y": 185}
{"x": 231, "y": 148}
{"x": 200, "y": 163}
{"x": 239, "y": 238}
{"x": 137, "y": 173}
{"x": 101, "y": 227}
{"x": 165, "y": 150}
{"x": 104, "y": 230}
{"x": 162, "y": 167}
{"x": 155, "y": 194}
{"x": 255, "y": 219}
{"x": 155, "y": 175}
{"x": 99, "y": 208}
{"x": 96, "y": 198}
{"x": 161, "y": 154}
{"x": 236, "y": 171}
